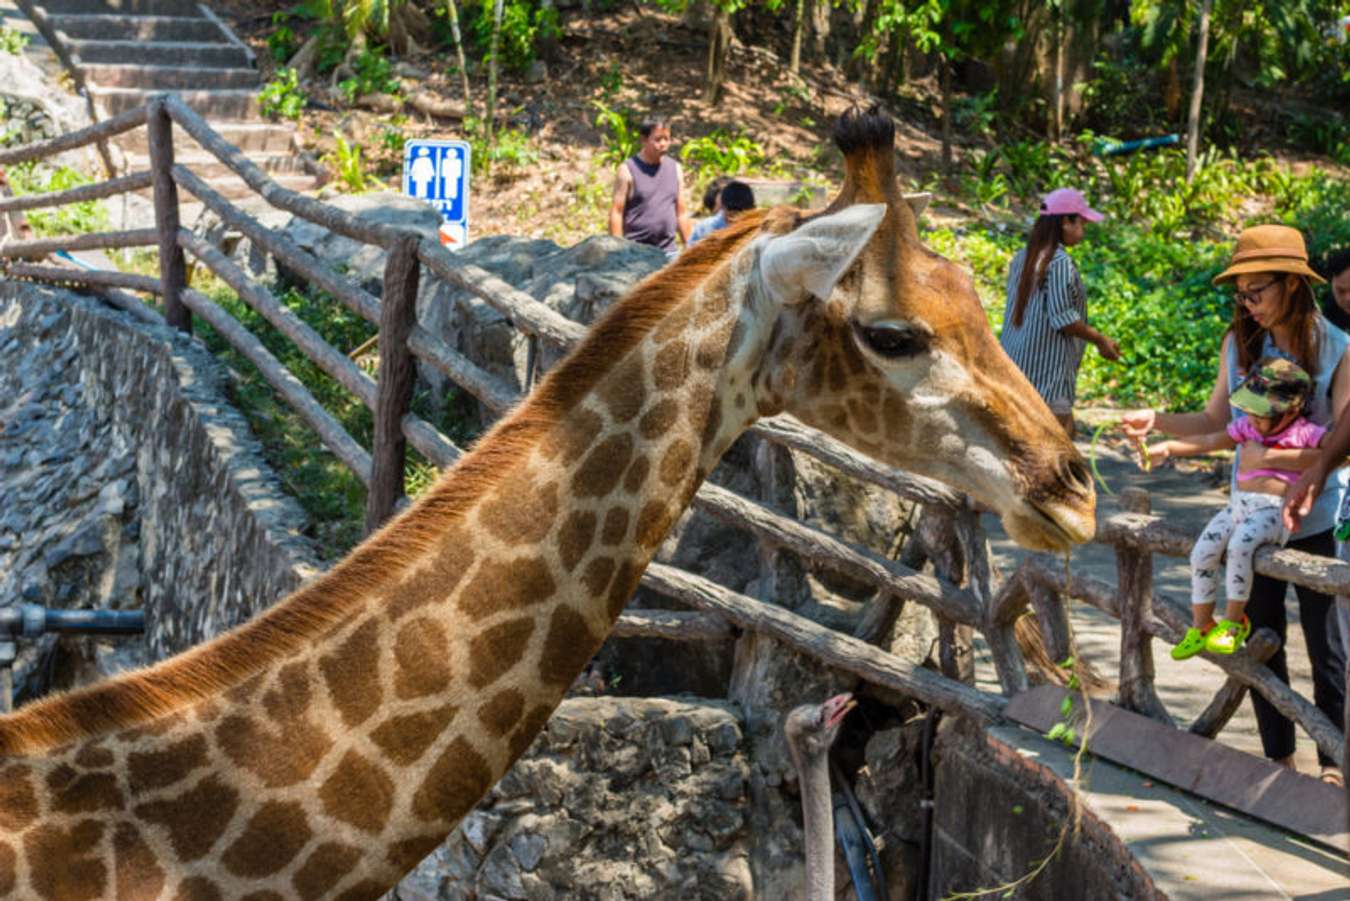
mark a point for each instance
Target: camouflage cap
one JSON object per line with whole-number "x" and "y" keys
{"x": 1274, "y": 387}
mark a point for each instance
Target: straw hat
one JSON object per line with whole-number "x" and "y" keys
{"x": 1269, "y": 248}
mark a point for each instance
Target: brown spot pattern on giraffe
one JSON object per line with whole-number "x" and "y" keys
{"x": 496, "y": 650}
{"x": 279, "y": 756}
{"x": 323, "y": 869}
{"x": 436, "y": 582}
{"x": 676, "y": 463}
{"x": 148, "y": 770}
{"x": 578, "y": 434}
{"x": 195, "y": 819}
{"x": 136, "y": 873}
{"x": 456, "y": 781}
{"x": 575, "y": 538}
{"x": 265, "y": 895}
{"x": 363, "y": 891}
{"x": 358, "y": 792}
{"x": 658, "y": 420}
{"x": 567, "y": 647}
{"x": 9, "y": 862}
{"x": 404, "y": 739}
{"x": 521, "y": 516}
{"x": 513, "y": 584}
{"x": 198, "y": 888}
{"x": 616, "y": 526}
{"x": 598, "y": 573}
{"x": 420, "y": 652}
{"x": 653, "y": 522}
{"x": 637, "y": 475}
{"x": 95, "y": 757}
{"x": 18, "y": 801}
{"x": 622, "y": 588}
{"x": 272, "y": 838}
{"x": 60, "y": 867}
{"x": 600, "y": 472}
{"x": 529, "y": 728}
{"x": 671, "y": 367}
{"x": 623, "y": 390}
{"x": 351, "y": 674}
{"x": 405, "y": 855}
{"x": 501, "y": 713}
{"x": 89, "y": 793}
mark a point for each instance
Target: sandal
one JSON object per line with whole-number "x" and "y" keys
{"x": 1332, "y": 776}
{"x": 1228, "y": 636}
{"x": 1192, "y": 644}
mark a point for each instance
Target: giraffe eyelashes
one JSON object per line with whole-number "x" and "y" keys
{"x": 893, "y": 340}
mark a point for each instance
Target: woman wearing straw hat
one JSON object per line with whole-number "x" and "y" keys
{"x": 1274, "y": 314}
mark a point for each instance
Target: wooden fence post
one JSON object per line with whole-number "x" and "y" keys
{"x": 1134, "y": 569}
{"x": 172, "y": 264}
{"x": 398, "y": 315}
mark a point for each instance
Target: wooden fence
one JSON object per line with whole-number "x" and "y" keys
{"x": 962, "y": 593}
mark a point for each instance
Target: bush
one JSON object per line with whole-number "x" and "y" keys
{"x": 374, "y": 75}
{"x": 282, "y": 97}
{"x": 11, "y": 41}
{"x": 524, "y": 24}
{"x": 71, "y": 219}
{"x": 722, "y": 153}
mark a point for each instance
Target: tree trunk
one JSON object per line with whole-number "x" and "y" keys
{"x": 1057, "y": 83}
{"x": 1197, "y": 92}
{"x": 492, "y": 71}
{"x": 719, "y": 40}
{"x": 452, "y": 8}
{"x": 820, "y": 25}
{"x": 945, "y": 80}
{"x": 798, "y": 26}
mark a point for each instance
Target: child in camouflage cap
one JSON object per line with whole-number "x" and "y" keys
{"x": 1272, "y": 397}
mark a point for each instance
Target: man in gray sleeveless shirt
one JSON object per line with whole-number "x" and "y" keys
{"x": 648, "y": 205}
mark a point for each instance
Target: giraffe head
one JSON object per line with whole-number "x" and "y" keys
{"x": 883, "y": 344}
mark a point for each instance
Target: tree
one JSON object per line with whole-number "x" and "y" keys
{"x": 1197, "y": 90}
{"x": 493, "y": 45}
{"x": 452, "y": 12}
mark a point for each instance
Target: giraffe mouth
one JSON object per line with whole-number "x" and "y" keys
{"x": 1047, "y": 528}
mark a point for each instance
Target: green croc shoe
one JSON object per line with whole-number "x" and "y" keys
{"x": 1227, "y": 636}
{"x": 1192, "y": 644}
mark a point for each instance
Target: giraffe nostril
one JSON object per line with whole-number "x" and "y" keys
{"x": 1075, "y": 473}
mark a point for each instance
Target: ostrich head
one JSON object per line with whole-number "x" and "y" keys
{"x": 811, "y": 728}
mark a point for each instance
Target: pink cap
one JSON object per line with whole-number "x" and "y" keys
{"x": 1068, "y": 202}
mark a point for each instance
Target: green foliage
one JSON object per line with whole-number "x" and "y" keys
{"x": 524, "y": 24}
{"x": 622, "y": 140}
{"x": 510, "y": 148}
{"x": 374, "y": 75}
{"x": 392, "y": 138}
{"x": 71, "y": 219}
{"x": 722, "y": 153}
{"x": 348, "y": 164}
{"x": 12, "y": 41}
{"x": 283, "y": 41}
{"x": 282, "y": 97}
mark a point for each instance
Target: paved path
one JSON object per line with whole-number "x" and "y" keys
{"x": 1187, "y": 500}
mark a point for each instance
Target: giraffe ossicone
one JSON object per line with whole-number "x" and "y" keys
{"x": 324, "y": 748}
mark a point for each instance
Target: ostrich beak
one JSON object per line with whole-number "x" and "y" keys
{"x": 837, "y": 707}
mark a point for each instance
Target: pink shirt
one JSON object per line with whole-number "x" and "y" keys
{"x": 1301, "y": 434}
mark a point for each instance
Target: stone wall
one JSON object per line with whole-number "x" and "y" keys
{"x": 127, "y": 467}
{"x": 616, "y": 799}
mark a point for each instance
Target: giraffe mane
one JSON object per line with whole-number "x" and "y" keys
{"x": 136, "y": 698}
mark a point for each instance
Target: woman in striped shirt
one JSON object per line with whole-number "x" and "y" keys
{"x": 1045, "y": 319}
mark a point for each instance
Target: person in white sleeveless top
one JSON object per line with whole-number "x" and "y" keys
{"x": 1274, "y": 313}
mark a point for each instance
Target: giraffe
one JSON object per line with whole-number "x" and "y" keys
{"x": 324, "y": 748}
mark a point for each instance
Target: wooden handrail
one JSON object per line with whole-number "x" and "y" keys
{"x": 37, "y": 248}
{"x": 113, "y": 186}
{"x": 92, "y": 134}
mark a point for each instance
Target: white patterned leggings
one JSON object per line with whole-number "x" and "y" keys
{"x": 1249, "y": 521}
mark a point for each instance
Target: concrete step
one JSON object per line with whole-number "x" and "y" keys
{"x": 159, "y": 53}
{"x": 168, "y": 78}
{"x": 124, "y": 7}
{"x": 233, "y": 187}
{"x": 274, "y": 137}
{"x": 228, "y": 104}
{"x": 92, "y": 26}
{"x": 206, "y": 166}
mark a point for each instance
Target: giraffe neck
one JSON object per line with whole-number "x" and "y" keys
{"x": 340, "y": 765}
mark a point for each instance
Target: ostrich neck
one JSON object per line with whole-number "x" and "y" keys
{"x": 818, "y": 824}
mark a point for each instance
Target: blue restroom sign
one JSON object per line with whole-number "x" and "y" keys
{"x": 438, "y": 172}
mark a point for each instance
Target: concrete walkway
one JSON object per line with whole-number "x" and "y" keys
{"x": 1186, "y": 499}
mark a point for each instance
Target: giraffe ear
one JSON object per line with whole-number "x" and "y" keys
{"x": 812, "y": 259}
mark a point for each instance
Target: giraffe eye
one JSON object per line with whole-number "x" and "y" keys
{"x": 893, "y": 341}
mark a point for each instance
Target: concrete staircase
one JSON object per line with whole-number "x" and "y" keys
{"x": 123, "y": 51}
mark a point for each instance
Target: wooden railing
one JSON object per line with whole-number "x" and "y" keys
{"x": 962, "y": 593}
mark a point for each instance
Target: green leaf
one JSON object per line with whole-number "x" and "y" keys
{"x": 1057, "y": 731}
{"x": 1066, "y": 706}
